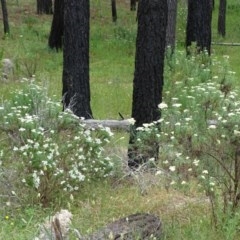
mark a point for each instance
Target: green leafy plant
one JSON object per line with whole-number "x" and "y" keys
{"x": 55, "y": 151}
{"x": 200, "y": 133}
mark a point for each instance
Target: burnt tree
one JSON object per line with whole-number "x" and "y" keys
{"x": 199, "y": 25}
{"x": 148, "y": 76}
{"x": 171, "y": 26}
{"x": 191, "y": 24}
{"x": 222, "y": 18}
{"x": 133, "y": 4}
{"x": 76, "y": 87}
{"x": 44, "y": 6}
{"x": 56, "y": 33}
{"x": 114, "y": 10}
{"x": 5, "y": 17}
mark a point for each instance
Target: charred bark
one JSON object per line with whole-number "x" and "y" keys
{"x": 44, "y": 6}
{"x": 5, "y": 17}
{"x": 191, "y": 24}
{"x": 199, "y": 25}
{"x": 148, "y": 76}
{"x": 133, "y": 4}
{"x": 171, "y": 26}
{"x": 203, "y": 25}
{"x": 114, "y": 11}
{"x": 76, "y": 87}
{"x": 222, "y": 18}
{"x": 55, "y": 39}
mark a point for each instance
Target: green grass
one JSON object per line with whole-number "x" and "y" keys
{"x": 112, "y": 49}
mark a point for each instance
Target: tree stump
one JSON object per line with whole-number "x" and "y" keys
{"x": 140, "y": 226}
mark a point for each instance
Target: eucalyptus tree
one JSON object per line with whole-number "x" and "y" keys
{"x": 76, "y": 87}
{"x": 148, "y": 76}
{"x": 5, "y": 17}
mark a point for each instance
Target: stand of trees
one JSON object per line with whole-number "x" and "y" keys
{"x": 152, "y": 38}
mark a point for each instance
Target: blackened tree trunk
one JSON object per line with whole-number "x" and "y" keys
{"x": 203, "y": 25}
{"x": 191, "y": 24}
{"x": 56, "y": 33}
{"x": 114, "y": 10}
{"x": 171, "y": 26}
{"x": 199, "y": 25}
{"x": 5, "y": 17}
{"x": 133, "y": 5}
{"x": 44, "y": 6}
{"x": 222, "y": 18}
{"x": 148, "y": 76}
{"x": 76, "y": 88}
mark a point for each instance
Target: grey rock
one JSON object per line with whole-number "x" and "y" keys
{"x": 7, "y": 68}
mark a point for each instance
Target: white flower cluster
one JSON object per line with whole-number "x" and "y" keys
{"x": 50, "y": 156}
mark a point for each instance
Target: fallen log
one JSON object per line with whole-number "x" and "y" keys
{"x": 113, "y": 124}
{"x": 225, "y": 44}
{"x": 142, "y": 226}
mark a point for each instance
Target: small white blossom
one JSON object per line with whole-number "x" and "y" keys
{"x": 236, "y": 133}
{"x": 177, "y": 105}
{"x": 205, "y": 171}
{"x": 212, "y": 126}
{"x": 172, "y": 168}
{"x": 131, "y": 121}
{"x": 162, "y": 105}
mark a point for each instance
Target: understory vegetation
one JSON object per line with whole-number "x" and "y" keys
{"x": 49, "y": 160}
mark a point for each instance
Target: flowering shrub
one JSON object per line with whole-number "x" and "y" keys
{"x": 54, "y": 150}
{"x": 200, "y": 135}
{"x": 200, "y": 132}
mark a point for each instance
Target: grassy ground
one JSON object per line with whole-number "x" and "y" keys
{"x": 186, "y": 215}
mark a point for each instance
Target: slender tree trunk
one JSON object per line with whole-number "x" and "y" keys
{"x": 76, "y": 87}
{"x": 222, "y": 18}
{"x": 5, "y": 17}
{"x": 148, "y": 76}
{"x": 171, "y": 26}
{"x": 44, "y": 6}
{"x": 133, "y": 5}
{"x": 114, "y": 11}
{"x": 191, "y": 24}
{"x": 199, "y": 25}
{"x": 56, "y": 33}
{"x": 203, "y": 25}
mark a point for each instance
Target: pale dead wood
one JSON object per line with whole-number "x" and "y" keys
{"x": 113, "y": 124}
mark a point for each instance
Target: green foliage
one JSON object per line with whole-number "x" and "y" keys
{"x": 55, "y": 151}
{"x": 201, "y": 132}
{"x": 197, "y": 145}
